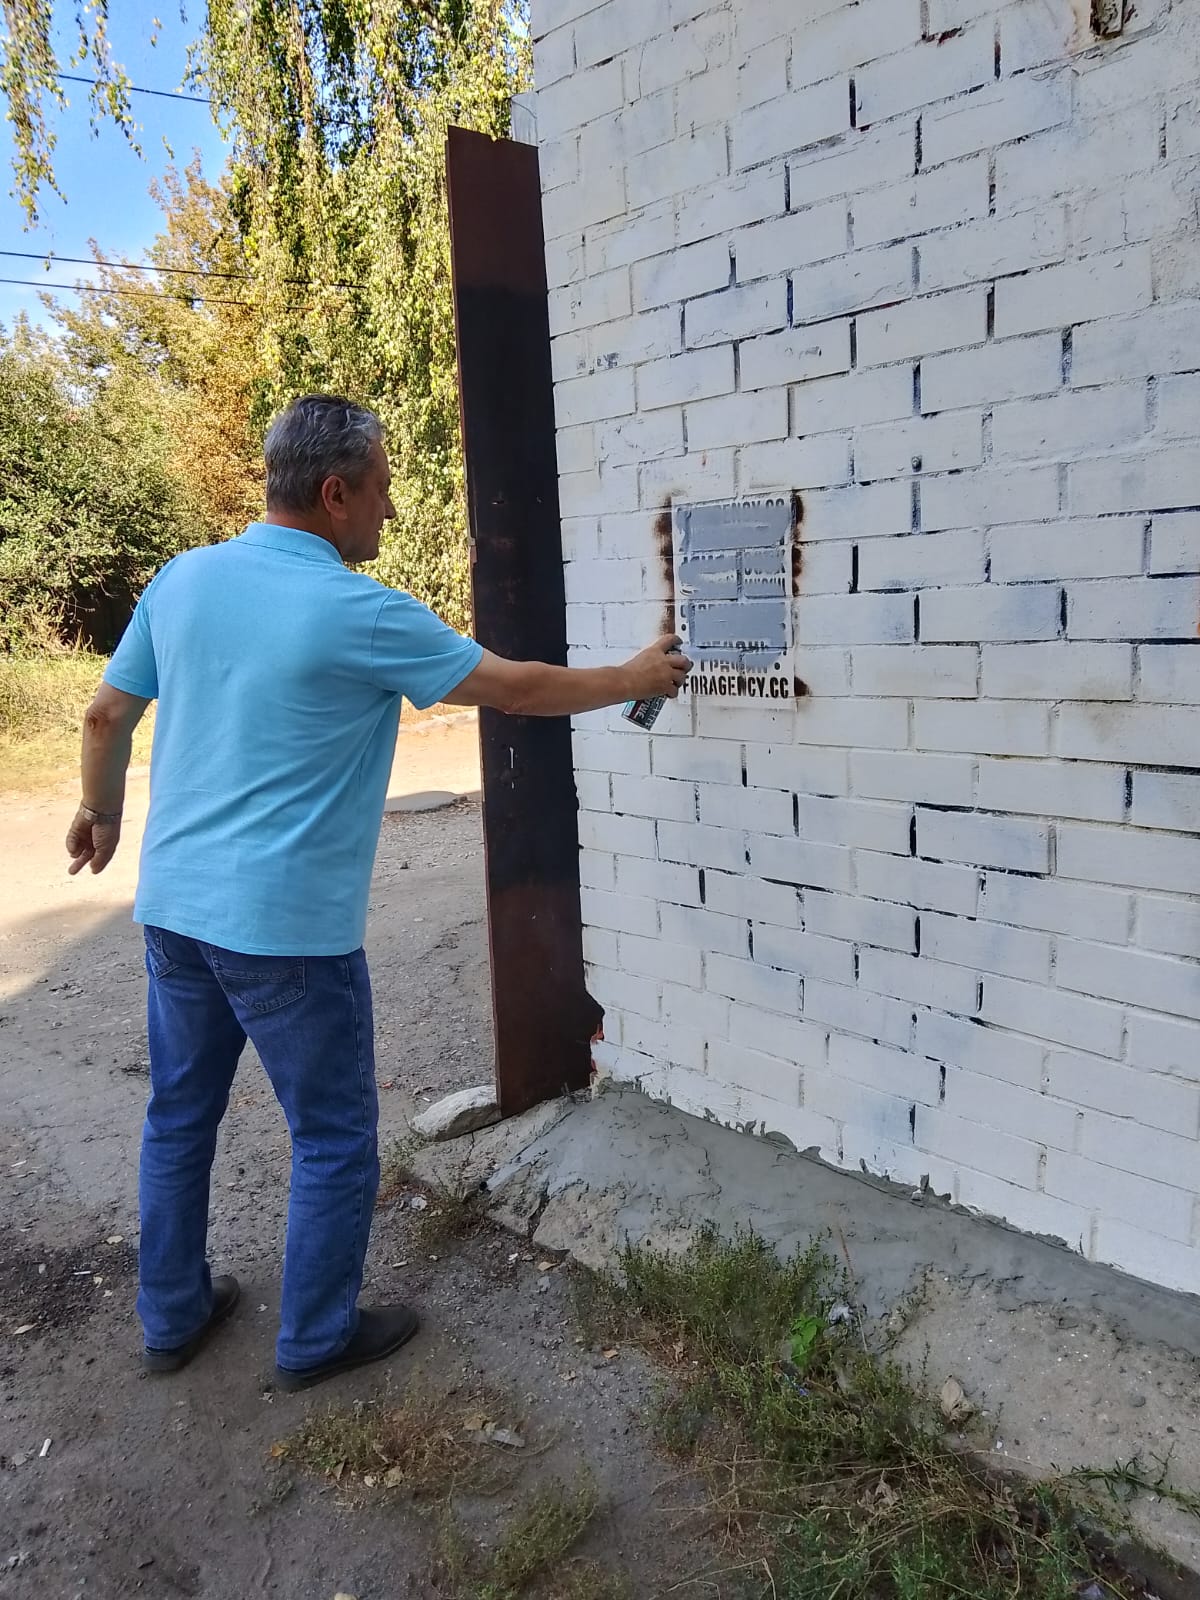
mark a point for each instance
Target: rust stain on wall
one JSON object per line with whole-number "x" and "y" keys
{"x": 666, "y": 560}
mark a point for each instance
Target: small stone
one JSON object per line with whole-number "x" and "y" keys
{"x": 1137, "y": 1401}
{"x": 457, "y": 1114}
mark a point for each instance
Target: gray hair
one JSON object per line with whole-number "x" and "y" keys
{"x": 319, "y": 436}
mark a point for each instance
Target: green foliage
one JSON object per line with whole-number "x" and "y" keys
{"x": 88, "y": 507}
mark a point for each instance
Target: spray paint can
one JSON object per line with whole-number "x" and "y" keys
{"x": 645, "y": 713}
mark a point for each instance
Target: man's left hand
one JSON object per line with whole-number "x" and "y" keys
{"x": 93, "y": 843}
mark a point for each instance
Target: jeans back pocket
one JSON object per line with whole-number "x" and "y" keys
{"x": 260, "y": 983}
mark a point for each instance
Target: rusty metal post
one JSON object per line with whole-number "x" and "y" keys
{"x": 544, "y": 1018}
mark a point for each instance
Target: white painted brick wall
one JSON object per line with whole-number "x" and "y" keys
{"x": 940, "y": 916}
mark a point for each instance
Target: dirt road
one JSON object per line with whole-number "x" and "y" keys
{"x": 167, "y": 1487}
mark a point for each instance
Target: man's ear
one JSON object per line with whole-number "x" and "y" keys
{"x": 333, "y": 496}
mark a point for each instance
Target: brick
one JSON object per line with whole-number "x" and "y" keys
{"x": 1035, "y": 1213}
{"x": 578, "y": 98}
{"x": 805, "y": 953}
{"x": 967, "y": 1143}
{"x": 896, "y": 775}
{"x": 1154, "y": 1098}
{"x": 738, "y": 419}
{"x": 1068, "y": 424}
{"x": 595, "y": 793}
{"x": 1137, "y": 608}
{"x": 762, "y": 75}
{"x": 737, "y": 313}
{"x": 733, "y": 203}
{"x": 597, "y": 869}
{"x": 654, "y": 797}
{"x": 604, "y": 580}
{"x": 861, "y": 724}
{"x": 846, "y": 38}
{"x": 920, "y": 328}
{"x": 792, "y": 123}
{"x": 1141, "y": 734}
{"x": 816, "y": 463}
{"x": 1128, "y": 857}
{"x": 858, "y": 511}
{"x": 886, "y": 1116}
{"x": 698, "y": 375}
{"x": 1077, "y": 157}
{"x": 799, "y": 862}
{"x": 989, "y": 611}
{"x": 627, "y": 241}
{"x": 860, "y": 162}
{"x": 993, "y": 248}
{"x": 800, "y": 769}
{"x": 553, "y": 56}
{"x": 1169, "y": 673}
{"x": 990, "y": 497}
{"x": 592, "y": 398}
{"x": 1167, "y": 800}
{"x": 948, "y": 197}
{"x": 700, "y": 475}
{"x": 919, "y": 980}
{"x": 1069, "y": 671}
{"x": 642, "y": 337}
{"x": 1053, "y": 789}
{"x": 622, "y": 913}
{"x": 1169, "y": 924}
{"x": 1155, "y": 982}
{"x": 1001, "y": 729}
{"x": 929, "y": 72}
{"x": 696, "y": 1008}
{"x": 877, "y": 1066}
{"x": 854, "y": 619}
{"x": 1178, "y": 405}
{"x": 828, "y": 569}
{"x": 854, "y": 282}
{"x": 920, "y": 444}
{"x": 796, "y": 355}
{"x": 1006, "y": 370}
{"x": 656, "y": 958}
{"x": 995, "y": 116}
{"x": 745, "y": 896}
{"x": 763, "y": 810}
{"x": 694, "y": 846}
{"x": 753, "y": 985}
{"x": 1053, "y": 1014}
{"x": 1161, "y": 1208}
{"x": 1155, "y": 481}
{"x": 825, "y": 404}
{"x": 932, "y": 672}
{"x": 658, "y": 880}
{"x": 929, "y": 559}
{"x": 854, "y": 1011}
{"x": 786, "y": 1039}
{"x": 600, "y": 947}
{"x": 1103, "y": 547}
{"x": 633, "y": 836}
{"x": 611, "y": 752}
{"x": 1146, "y": 1254}
{"x": 986, "y": 947}
{"x": 977, "y": 839}
{"x": 689, "y": 270}
{"x": 672, "y": 169}
{"x": 672, "y": 54}
{"x": 927, "y": 885}
{"x": 643, "y": 126}
{"x": 980, "y": 1048}
{"x": 699, "y": 928}
{"x": 639, "y": 438}
{"x": 621, "y": 992}
{"x": 1165, "y": 1044}
{"x": 714, "y": 761}
{"x": 1175, "y": 543}
{"x": 853, "y": 823}
{"x": 867, "y": 922}
{"x": 1161, "y": 340}
{"x": 1083, "y": 291}
{"x": 792, "y": 241}
{"x": 707, "y": 98}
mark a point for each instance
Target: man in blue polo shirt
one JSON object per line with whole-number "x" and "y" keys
{"x": 279, "y": 675}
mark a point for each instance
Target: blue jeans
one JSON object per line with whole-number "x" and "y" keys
{"x": 309, "y": 1018}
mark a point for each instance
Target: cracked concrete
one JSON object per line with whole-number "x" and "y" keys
{"x": 1068, "y": 1364}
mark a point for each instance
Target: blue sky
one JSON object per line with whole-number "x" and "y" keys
{"x": 104, "y": 181}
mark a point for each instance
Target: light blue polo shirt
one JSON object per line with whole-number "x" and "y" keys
{"x": 279, "y": 675}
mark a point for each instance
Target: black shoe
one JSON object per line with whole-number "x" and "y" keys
{"x": 226, "y": 1294}
{"x": 380, "y": 1334}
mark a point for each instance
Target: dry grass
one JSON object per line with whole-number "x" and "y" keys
{"x": 42, "y": 702}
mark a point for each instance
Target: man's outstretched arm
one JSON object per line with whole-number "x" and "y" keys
{"x": 537, "y": 689}
{"x": 108, "y": 728}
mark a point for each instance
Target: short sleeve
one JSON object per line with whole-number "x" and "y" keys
{"x": 414, "y": 653}
{"x": 133, "y": 667}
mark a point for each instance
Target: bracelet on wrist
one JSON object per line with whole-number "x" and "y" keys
{"x": 99, "y": 816}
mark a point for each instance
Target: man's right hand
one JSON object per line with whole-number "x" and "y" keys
{"x": 658, "y": 670}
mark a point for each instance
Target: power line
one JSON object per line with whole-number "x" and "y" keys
{"x": 137, "y": 294}
{"x": 132, "y": 88}
{"x": 183, "y": 272}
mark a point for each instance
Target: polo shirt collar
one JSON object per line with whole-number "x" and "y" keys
{"x": 295, "y": 541}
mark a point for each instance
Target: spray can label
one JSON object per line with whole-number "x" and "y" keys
{"x": 644, "y": 713}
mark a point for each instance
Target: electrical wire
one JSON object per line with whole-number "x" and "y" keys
{"x": 183, "y": 272}
{"x": 132, "y": 88}
{"x": 137, "y": 294}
